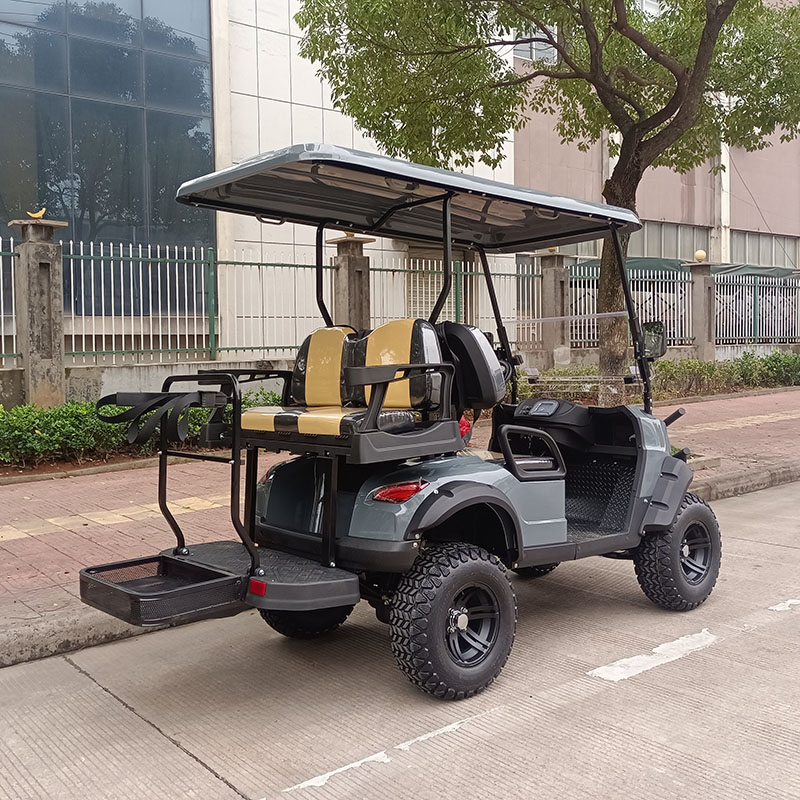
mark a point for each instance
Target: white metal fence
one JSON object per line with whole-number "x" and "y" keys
{"x": 9, "y": 355}
{"x": 757, "y": 309}
{"x": 658, "y": 295}
{"x": 128, "y": 304}
{"x": 266, "y": 310}
{"x": 408, "y": 287}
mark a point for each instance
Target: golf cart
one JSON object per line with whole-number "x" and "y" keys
{"x": 381, "y": 500}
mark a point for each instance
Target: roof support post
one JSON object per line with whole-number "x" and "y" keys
{"x": 637, "y": 335}
{"x": 447, "y": 264}
{"x": 323, "y": 309}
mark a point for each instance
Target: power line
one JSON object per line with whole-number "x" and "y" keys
{"x": 761, "y": 213}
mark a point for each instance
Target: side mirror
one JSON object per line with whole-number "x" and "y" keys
{"x": 655, "y": 340}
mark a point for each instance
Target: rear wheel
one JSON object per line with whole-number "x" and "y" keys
{"x": 677, "y": 569}
{"x": 535, "y": 572}
{"x": 453, "y": 619}
{"x": 306, "y": 624}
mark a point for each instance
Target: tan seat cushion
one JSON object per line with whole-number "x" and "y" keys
{"x": 324, "y": 420}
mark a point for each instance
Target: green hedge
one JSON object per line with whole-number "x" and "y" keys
{"x": 31, "y": 435}
{"x": 692, "y": 377}
{"x": 671, "y": 379}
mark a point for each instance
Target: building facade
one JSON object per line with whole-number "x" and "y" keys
{"x": 109, "y": 106}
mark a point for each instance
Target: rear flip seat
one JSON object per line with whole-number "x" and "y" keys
{"x": 324, "y": 404}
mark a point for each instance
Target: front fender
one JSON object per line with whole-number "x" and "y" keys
{"x": 668, "y": 494}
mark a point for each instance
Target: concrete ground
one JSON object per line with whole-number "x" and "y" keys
{"x": 49, "y": 530}
{"x": 229, "y": 709}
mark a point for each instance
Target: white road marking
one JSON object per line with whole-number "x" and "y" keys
{"x": 454, "y": 726}
{"x": 663, "y": 654}
{"x": 382, "y": 757}
{"x": 321, "y": 780}
{"x": 786, "y": 606}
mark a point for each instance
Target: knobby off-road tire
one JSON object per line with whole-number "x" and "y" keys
{"x": 677, "y": 569}
{"x": 306, "y": 624}
{"x": 535, "y": 572}
{"x": 453, "y": 619}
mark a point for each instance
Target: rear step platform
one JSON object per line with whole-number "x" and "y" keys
{"x": 212, "y": 580}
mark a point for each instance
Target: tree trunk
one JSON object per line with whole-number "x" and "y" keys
{"x": 620, "y": 190}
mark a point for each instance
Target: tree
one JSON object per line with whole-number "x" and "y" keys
{"x": 431, "y": 80}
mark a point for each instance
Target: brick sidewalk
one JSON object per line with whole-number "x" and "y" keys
{"x": 49, "y": 530}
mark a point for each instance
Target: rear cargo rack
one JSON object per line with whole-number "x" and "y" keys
{"x": 159, "y": 590}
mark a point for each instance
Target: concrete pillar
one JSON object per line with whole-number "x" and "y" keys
{"x": 720, "y": 238}
{"x": 39, "y": 287}
{"x": 555, "y": 303}
{"x": 704, "y": 312}
{"x": 351, "y": 299}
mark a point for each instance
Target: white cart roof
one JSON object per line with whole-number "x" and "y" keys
{"x": 349, "y": 190}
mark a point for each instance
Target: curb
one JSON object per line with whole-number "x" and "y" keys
{"x": 733, "y": 484}
{"x": 61, "y": 632}
{"x": 77, "y": 628}
{"x": 139, "y": 463}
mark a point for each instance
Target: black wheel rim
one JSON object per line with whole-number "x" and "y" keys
{"x": 473, "y": 622}
{"x": 695, "y": 553}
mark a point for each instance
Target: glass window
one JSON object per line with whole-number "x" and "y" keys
{"x": 178, "y": 148}
{"x": 652, "y": 239}
{"x": 118, "y": 21}
{"x": 636, "y": 244}
{"x": 537, "y": 51}
{"x": 34, "y": 158}
{"x": 33, "y": 59}
{"x": 669, "y": 240}
{"x": 43, "y": 14}
{"x": 179, "y": 26}
{"x": 108, "y": 166}
{"x": 177, "y": 84}
{"x": 105, "y": 71}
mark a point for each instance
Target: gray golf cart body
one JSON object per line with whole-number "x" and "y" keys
{"x": 561, "y": 481}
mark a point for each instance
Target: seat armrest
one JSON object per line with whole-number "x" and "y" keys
{"x": 381, "y": 375}
{"x": 249, "y": 375}
{"x": 387, "y": 373}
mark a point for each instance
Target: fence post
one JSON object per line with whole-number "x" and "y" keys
{"x": 459, "y": 291}
{"x": 756, "y": 310}
{"x": 555, "y": 303}
{"x": 704, "y": 312}
{"x": 351, "y": 294}
{"x": 211, "y": 303}
{"x": 39, "y": 289}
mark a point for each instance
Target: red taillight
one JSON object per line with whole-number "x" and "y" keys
{"x": 399, "y": 492}
{"x": 258, "y": 587}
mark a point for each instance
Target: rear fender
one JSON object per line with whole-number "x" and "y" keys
{"x": 456, "y": 496}
{"x": 668, "y": 494}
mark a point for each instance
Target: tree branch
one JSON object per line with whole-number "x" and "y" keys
{"x": 622, "y": 26}
{"x": 685, "y": 114}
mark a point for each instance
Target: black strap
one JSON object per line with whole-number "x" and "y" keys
{"x": 150, "y": 410}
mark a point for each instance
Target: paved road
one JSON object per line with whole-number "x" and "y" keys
{"x": 229, "y": 709}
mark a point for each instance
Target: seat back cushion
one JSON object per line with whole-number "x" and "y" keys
{"x": 402, "y": 341}
{"x": 318, "y": 377}
{"x": 479, "y": 374}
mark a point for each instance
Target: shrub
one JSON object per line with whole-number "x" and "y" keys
{"x": 672, "y": 379}
{"x": 31, "y": 435}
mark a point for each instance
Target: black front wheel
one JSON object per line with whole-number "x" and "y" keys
{"x": 453, "y": 619}
{"x": 306, "y": 624}
{"x": 677, "y": 568}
